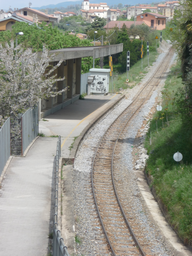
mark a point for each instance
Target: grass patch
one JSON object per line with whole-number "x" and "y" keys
{"x": 77, "y": 240}
{"x": 72, "y": 144}
{"x": 51, "y": 235}
{"x": 82, "y": 96}
{"x": 136, "y": 73}
{"x": 172, "y": 181}
{"x": 54, "y": 136}
{"x": 41, "y": 134}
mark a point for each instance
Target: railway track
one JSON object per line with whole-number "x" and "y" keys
{"x": 123, "y": 236}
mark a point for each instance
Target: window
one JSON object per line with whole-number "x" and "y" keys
{"x": 162, "y": 22}
{"x": 146, "y": 15}
{"x": 158, "y": 22}
{"x": 25, "y": 13}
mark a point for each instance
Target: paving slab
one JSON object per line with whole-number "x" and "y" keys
{"x": 25, "y": 201}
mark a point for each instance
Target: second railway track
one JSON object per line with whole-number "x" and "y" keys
{"x": 122, "y": 234}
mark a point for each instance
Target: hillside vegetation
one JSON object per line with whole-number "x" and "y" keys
{"x": 170, "y": 131}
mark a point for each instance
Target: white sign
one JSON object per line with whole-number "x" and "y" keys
{"x": 177, "y": 156}
{"x": 159, "y": 108}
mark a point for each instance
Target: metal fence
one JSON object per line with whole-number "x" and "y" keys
{"x": 30, "y": 127}
{"x": 84, "y": 78}
{"x": 4, "y": 144}
{"x": 59, "y": 248}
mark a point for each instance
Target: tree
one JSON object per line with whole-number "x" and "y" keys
{"x": 98, "y": 23}
{"x": 120, "y": 5}
{"x": 122, "y": 17}
{"x": 36, "y": 36}
{"x": 25, "y": 77}
{"x": 147, "y": 10}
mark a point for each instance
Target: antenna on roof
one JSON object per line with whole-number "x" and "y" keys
{"x": 30, "y": 4}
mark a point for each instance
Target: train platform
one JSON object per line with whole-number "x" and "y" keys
{"x": 72, "y": 122}
{"x": 25, "y": 192}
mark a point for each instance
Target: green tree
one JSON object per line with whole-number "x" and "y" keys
{"x": 122, "y": 17}
{"x": 36, "y": 36}
{"x": 147, "y": 10}
{"x": 98, "y": 23}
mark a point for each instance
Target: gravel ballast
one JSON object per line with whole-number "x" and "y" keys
{"x": 87, "y": 227}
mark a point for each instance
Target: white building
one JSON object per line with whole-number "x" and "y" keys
{"x": 90, "y": 11}
{"x": 133, "y": 11}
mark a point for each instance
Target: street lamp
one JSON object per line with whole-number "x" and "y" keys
{"x": 95, "y": 32}
{"x": 20, "y": 34}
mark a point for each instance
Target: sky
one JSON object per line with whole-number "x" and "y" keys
{"x": 5, "y": 4}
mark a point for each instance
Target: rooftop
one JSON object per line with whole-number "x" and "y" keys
{"x": 119, "y": 24}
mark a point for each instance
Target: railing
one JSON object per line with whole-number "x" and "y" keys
{"x": 59, "y": 248}
{"x": 4, "y": 144}
{"x": 30, "y": 127}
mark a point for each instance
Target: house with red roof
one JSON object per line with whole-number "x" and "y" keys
{"x": 153, "y": 20}
{"x": 36, "y": 15}
{"x": 9, "y": 20}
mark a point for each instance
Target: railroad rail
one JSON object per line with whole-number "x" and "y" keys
{"x": 123, "y": 236}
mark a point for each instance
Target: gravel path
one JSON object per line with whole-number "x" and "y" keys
{"x": 87, "y": 226}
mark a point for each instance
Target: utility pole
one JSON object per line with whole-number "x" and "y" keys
{"x": 128, "y": 63}
{"x": 141, "y": 53}
{"x": 148, "y": 52}
{"x": 101, "y": 59}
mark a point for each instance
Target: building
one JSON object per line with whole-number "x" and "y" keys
{"x": 153, "y": 20}
{"x": 59, "y": 15}
{"x": 90, "y": 11}
{"x": 71, "y": 70}
{"x": 119, "y": 24}
{"x": 8, "y": 22}
{"x": 133, "y": 11}
{"x": 112, "y": 15}
{"x": 37, "y": 15}
{"x": 168, "y": 8}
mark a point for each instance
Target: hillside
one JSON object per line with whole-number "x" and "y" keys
{"x": 109, "y": 2}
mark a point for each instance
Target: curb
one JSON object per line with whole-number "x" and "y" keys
{"x": 77, "y": 142}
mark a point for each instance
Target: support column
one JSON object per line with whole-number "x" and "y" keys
{"x": 78, "y": 76}
{"x": 70, "y": 78}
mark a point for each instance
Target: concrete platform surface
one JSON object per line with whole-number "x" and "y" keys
{"x": 25, "y": 193}
{"x": 25, "y": 201}
{"x": 70, "y": 121}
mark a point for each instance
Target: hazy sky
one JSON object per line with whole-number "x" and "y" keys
{"x": 5, "y": 4}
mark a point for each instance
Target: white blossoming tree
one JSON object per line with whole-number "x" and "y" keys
{"x": 25, "y": 77}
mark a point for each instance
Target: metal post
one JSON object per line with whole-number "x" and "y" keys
{"x": 16, "y": 48}
{"x": 93, "y": 50}
{"x": 148, "y": 52}
{"x": 128, "y": 63}
{"x": 156, "y": 44}
{"x": 101, "y": 59}
{"x": 141, "y": 53}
